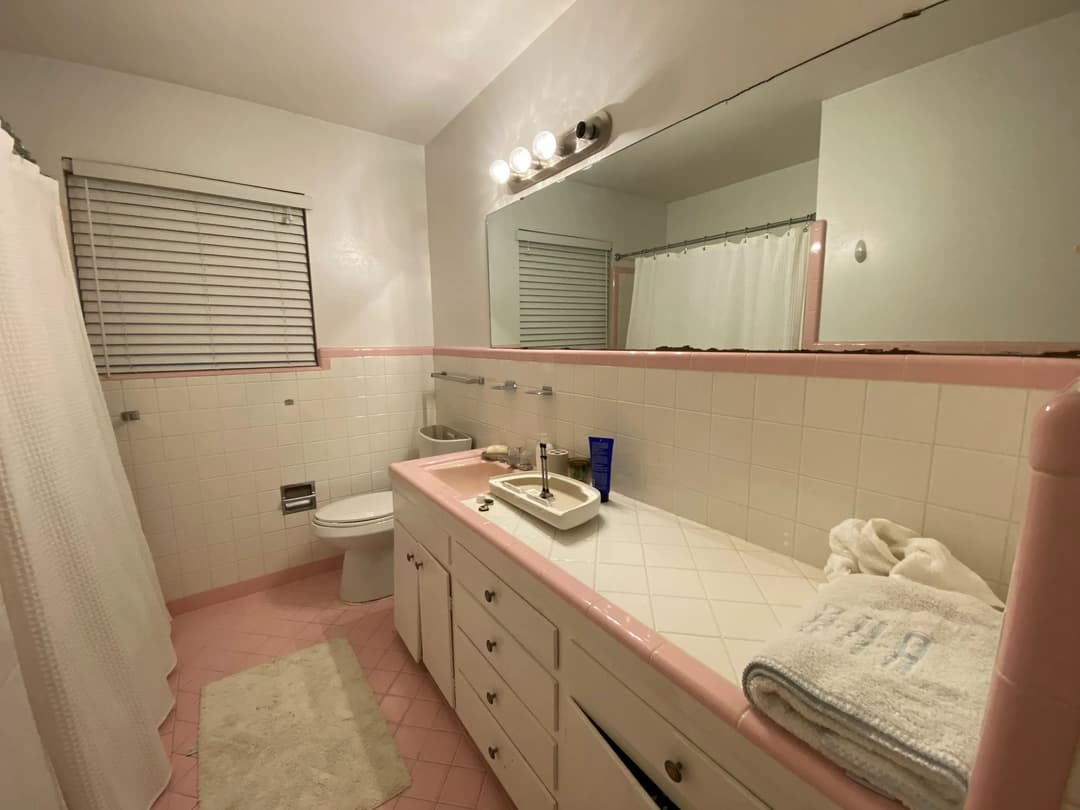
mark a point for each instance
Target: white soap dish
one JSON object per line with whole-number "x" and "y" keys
{"x": 571, "y": 503}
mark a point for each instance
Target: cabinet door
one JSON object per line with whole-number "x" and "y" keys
{"x": 591, "y": 775}
{"x": 406, "y": 590}
{"x": 435, "y": 628}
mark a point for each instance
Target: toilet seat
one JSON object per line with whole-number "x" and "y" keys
{"x": 355, "y": 511}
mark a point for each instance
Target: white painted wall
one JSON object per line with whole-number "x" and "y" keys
{"x": 650, "y": 63}
{"x": 572, "y": 209}
{"x": 785, "y": 193}
{"x": 963, "y": 177}
{"x": 368, "y": 227}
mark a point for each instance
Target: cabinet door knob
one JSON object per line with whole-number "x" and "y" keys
{"x": 490, "y": 645}
{"x": 489, "y": 596}
{"x": 418, "y": 565}
{"x": 490, "y": 698}
{"x": 674, "y": 770}
{"x": 410, "y": 556}
{"x": 492, "y": 751}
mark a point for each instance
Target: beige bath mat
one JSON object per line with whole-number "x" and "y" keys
{"x": 301, "y": 732}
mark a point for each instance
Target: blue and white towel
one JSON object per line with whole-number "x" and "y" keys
{"x": 887, "y": 678}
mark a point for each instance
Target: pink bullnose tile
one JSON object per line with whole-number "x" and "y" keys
{"x": 678, "y": 361}
{"x": 792, "y": 363}
{"x": 631, "y": 632}
{"x": 717, "y": 693}
{"x": 808, "y": 764}
{"x": 1050, "y": 372}
{"x": 859, "y": 366}
{"x": 719, "y": 361}
{"x": 964, "y": 370}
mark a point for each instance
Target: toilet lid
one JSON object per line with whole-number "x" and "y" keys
{"x": 356, "y": 509}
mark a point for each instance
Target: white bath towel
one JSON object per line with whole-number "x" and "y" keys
{"x": 879, "y": 546}
{"x": 888, "y": 679}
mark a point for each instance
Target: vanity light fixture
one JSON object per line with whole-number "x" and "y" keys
{"x": 499, "y": 171}
{"x": 545, "y": 145}
{"x": 521, "y": 160}
{"x": 552, "y": 153}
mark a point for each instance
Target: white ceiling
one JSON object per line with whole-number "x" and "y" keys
{"x": 402, "y": 68}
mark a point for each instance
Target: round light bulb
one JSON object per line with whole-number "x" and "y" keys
{"x": 499, "y": 171}
{"x": 544, "y": 145}
{"x": 521, "y": 160}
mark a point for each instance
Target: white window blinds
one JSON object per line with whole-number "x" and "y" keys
{"x": 562, "y": 291}
{"x": 176, "y": 274}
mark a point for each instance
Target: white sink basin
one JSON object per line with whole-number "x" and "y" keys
{"x": 571, "y": 503}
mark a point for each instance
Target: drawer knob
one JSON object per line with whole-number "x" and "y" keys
{"x": 492, "y": 751}
{"x": 490, "y": 698}
{"x": 489, "y": 596}
{"x": 490, "y": 645}
{"x": 410, "y": 556}
{"x": 674, "y": 770}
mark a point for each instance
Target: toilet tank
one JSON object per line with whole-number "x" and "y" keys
{"x": 435, "y": 440}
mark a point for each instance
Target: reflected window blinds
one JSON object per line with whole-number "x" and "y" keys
{"x": 562, "y": 291}
{"x": 178, "y": 273}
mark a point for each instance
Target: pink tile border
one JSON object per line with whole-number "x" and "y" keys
{"x": 1048, "y": 373}
{"x": 372, "y": 351}
{"x": 186, "y": 604}
{"x": 1030, "y": 727}
{"x": 325, "y": 354}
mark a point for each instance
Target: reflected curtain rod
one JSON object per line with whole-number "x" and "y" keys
{"x": 703, "y": 240}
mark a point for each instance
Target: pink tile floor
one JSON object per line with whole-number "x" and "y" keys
{"x": 448, "y": 772}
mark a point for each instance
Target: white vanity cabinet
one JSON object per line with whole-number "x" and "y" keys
{"x": 422, "y": 607}
{"x": 436, "y": 633}
{"x": 567, "y": 715}
{"x": 406, "y": 590}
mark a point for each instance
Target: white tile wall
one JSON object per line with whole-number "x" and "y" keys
{"x": 209, "y": 454}
{"x": 779, "y": 459}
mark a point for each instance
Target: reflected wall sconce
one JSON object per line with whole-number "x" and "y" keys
{"x": 552, "y": 153}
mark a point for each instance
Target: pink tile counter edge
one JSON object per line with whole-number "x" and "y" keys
{"x": 1032, "y": 723}
{"x": 963, "y": 369}
{"x": 712, "y": 690}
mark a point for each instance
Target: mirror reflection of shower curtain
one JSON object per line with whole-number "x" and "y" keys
{"x": 729, "y": 295}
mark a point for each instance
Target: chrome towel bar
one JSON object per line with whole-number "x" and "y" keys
{"x": 458, "y": 378}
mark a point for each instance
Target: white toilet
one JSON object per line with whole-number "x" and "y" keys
{"x": 363, "y": 527}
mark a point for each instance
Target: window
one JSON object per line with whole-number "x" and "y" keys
{"x": 562, "y": 291}
{"x": 182, "y": 273}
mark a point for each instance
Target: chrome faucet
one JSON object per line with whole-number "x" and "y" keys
{"x": 545, "y": 493}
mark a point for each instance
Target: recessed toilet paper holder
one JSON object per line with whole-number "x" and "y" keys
{"x": 298, "y": 497}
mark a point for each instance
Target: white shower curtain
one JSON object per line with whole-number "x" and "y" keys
{"x": 730, "y": 295}
{"x": 90, "y": 629}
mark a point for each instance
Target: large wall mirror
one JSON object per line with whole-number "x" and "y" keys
{"x": 917, "y": 188}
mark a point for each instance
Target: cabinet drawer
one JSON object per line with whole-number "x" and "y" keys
{"x": 535, "y": 744}
{"x": 415, "y": 518}
{"x": 654, "y": 744}
{"x": 530, "y": 628}
{"x": 524, "y": 789}
{"x": 528, "y": 680}
{"x": 592, "y": 775}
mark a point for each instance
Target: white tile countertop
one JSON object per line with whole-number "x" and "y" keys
{"x": 717, "y": 596}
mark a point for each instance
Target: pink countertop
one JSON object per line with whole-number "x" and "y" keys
{"x": 709, "y": 687}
